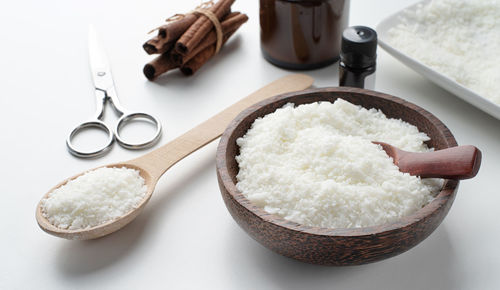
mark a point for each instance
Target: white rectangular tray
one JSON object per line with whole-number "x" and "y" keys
{"x": 428, "y": 72}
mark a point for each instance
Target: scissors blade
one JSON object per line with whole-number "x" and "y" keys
{"x": 99, "y": 64}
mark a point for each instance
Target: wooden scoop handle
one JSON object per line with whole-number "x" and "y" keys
{"x": 161, "y": 159}
{"x": 461, "y": 162}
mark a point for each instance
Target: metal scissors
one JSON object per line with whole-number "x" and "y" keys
{"x": 105, "y": 92}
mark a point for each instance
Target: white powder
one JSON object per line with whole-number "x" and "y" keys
{"x": 458, "y": 38}
{"x": 94, "y": 198}
{"x": 315, "y": 165}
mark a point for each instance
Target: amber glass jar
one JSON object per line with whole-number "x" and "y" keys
{"x": 302, "y": 34}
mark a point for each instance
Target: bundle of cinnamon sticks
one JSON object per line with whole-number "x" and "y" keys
{"x": 189, "y": 41}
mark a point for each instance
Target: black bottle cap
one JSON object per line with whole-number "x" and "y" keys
{"x": 359, "y": 47}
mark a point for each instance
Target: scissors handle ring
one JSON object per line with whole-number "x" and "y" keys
{"x": 127, "y": 118}
{"x": 90, "y": 124}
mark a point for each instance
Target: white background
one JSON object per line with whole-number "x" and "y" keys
{"x": 185, "y": 238}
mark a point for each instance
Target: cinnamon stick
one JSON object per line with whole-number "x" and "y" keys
{"x": 158, "y": 66}
{"x": 201, "y": 27}
{"x": 157, "y": 45}
{"x": 229, "y": 25}
{"x": 168, "y": 33}
{"x": 201, "y": 58}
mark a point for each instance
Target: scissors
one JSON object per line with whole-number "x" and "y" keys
{"x": 105, "y": 92}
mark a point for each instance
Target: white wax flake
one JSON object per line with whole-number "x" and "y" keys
{"x": 96, "y": 197}
{"x": 315, "y": 165}
{"x": 458, "y": 38}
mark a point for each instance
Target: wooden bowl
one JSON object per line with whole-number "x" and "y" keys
{"x": 334, "y": 246}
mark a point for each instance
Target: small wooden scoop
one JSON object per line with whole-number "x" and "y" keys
{"x": 461, "y": 162}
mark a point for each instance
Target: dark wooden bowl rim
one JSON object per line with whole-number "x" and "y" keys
{"x": 446, "y": 193}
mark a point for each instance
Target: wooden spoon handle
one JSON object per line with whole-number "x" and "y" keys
{"x": 161, "y": 159}
{"x": 461, "y": 162}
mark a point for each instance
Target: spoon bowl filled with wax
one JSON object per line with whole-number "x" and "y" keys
{"x": 98, "y": 202}
{"x": 300, "y": 173}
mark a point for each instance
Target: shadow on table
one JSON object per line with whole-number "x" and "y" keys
{"x": 427, "y": 266}
{"x": 79, "y": 258}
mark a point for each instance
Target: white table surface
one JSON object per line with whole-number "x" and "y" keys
{"x": 185, "y": 238}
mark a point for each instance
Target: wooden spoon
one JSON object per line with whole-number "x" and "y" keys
{"x": 152, "y": 165}
{"x": 461, "y": 162}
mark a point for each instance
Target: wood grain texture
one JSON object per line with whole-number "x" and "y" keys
{"x": 461, "y": 162}
{"x": 328, "y": 246}
{"x": 154, "y": 164}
